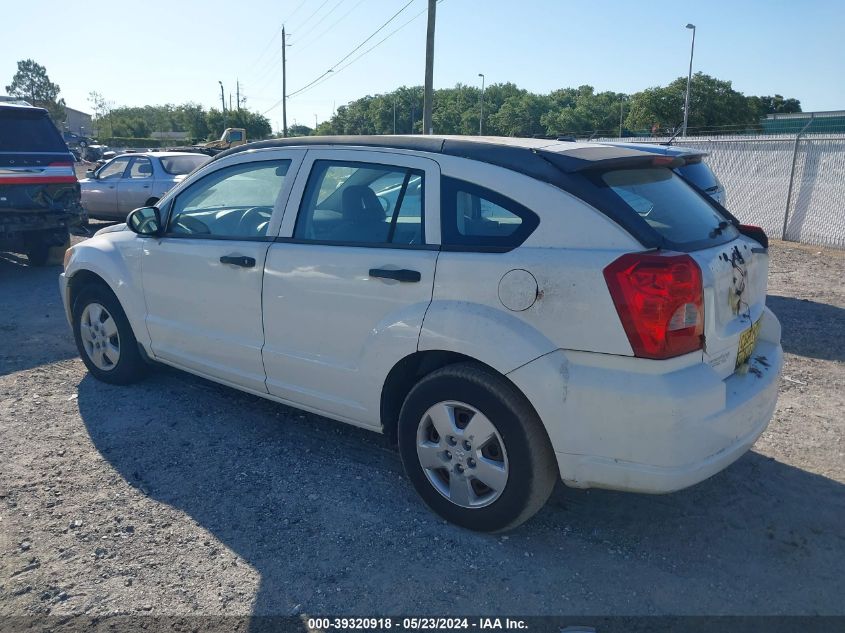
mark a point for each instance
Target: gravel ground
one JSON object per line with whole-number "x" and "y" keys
{"x": 177, "y": 496}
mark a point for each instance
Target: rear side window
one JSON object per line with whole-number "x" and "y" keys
{"x": 476, "y": 217}
{"x": 669, "y": 206}
{"x": 23, "y": 130}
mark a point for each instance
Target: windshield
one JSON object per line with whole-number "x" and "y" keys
{"x": 670, "y": 206}
{"x": 181, "y": 165}
{"x": 29, "y": 131}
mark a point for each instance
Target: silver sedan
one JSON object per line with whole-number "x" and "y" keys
{"x": 130, "y": 181}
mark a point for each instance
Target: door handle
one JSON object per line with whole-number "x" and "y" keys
{"x": 238, "y": 260}
{"x": 404, "y": 275}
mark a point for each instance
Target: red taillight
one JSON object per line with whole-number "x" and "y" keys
{"x": 660, "y": 302}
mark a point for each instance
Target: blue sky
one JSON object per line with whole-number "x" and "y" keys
{"x": 184, "y": 47}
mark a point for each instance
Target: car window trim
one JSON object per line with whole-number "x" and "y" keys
{"x": 114, "y": 160}
{"x": 345, "y": 244}
{"x": 449, "y": 188}
{"x": 236, "y": 238}
{"x": 132, "y": 164}
{"x": 409, "y": 172}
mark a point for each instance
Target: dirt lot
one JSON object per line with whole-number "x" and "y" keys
{"x": 177, "y": 496}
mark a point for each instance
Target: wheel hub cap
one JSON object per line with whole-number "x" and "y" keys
{"x": 462, "y": 454}
{"x": 100, "y": 338}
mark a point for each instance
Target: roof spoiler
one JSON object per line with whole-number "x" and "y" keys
{"x": 629, "y": 159}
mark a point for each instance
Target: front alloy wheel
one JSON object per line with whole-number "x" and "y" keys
{"x": 100, "y": 337}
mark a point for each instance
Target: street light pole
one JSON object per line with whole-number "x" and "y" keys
{"x": 394, "y": 115}
{"x": 481, "y": 116}
{"x": 689, "y": 80}
{"x": 223, "y": 102}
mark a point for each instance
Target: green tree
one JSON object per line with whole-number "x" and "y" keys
{"x": 299, "y": 130}
{"x": 773, "y": 105}
{"x": 31, "y": 82}
{"x": 715, "y": 107}
{"x": 256, "y": 125}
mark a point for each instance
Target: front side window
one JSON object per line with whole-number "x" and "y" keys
{"x": 362, "y": 203}
{"x": 181, "y": 165}
{"x": 113, "y": 170}
{"x": 141, "y": 168}
{"x": 234, "y": 202}
{"x": 476, "y": 217}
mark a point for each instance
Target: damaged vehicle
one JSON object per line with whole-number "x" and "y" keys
{"x": 511, "y": 311}
{"x": 39, "y": 192}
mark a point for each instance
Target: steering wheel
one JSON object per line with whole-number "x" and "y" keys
{"x": 252, "y": 219}
{"x": 189, "y": 224}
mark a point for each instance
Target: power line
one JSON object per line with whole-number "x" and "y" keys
{"x": 325, "y": 2}
{"x": 327, "y": 76}
{"x": 322, "y": 19}
{"x": 353, "y": 51}
{"x": 334, "y": 24}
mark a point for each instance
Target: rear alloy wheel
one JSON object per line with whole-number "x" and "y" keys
{"x": 474, "y": 448}
{"x": 104, "y": 337}
{"x": 462, "y": 454}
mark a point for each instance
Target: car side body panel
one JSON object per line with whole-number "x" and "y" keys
{"x": 116, "y": 258}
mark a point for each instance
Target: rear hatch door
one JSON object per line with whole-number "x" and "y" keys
{"x": 36, "y": 167}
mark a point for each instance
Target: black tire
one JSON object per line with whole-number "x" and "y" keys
{"x": 37, "y": 253}
{"x": 130, "y": 366}
{"x": 532, "y": 471}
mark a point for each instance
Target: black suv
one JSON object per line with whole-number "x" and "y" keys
{"x": 39, "y": 192}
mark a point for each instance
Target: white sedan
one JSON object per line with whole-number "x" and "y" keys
{"x": 133, "y": 180}
{"x": 512, "y": 311}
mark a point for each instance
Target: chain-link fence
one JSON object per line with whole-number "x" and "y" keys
{"x": 792, "y": 186}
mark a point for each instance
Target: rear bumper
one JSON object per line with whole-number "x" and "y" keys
{"x": 650, "y": 426}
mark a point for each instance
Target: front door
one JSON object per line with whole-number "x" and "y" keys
{"x": 101, "y": 198}
{"x": 202, "y": 279}
{"x": 347, "y": 286}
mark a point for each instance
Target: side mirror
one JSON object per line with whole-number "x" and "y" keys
{"x": 145, "y": 221}
{"x": 89, "y": 173}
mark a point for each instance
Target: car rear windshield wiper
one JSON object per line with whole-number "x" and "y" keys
{"x": 718, "y": 230}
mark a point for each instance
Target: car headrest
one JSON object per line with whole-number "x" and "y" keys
{"x": 361, "y": 204}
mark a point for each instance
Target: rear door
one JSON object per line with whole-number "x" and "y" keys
{"x": 135, "y": 188}
{"x": 349, "y": 280}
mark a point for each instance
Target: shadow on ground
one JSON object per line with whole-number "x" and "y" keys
{"x": 810, "y": 329}
{"x": 33, "y": 328}
{"x": 322, "y": 511}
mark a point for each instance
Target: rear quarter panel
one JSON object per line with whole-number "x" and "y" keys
{"x": 566, "y": 255}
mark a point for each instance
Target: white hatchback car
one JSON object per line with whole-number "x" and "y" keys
{"x": 512, "y": 311}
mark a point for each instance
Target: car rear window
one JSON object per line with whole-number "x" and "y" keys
{"x": 28, "y": 131}
{"x": 670, "y": 206}
{"x": 180, "y": 165}
{"x": 700, "y": 175}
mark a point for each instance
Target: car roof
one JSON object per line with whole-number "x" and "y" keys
{"x": 8, "y": 107}
{"x": 161, "y": 154}
{"x": 543, "y": 159}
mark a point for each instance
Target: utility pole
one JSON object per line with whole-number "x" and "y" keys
{"x": 394, "y": 115}
{"x": 689, "y": 80}
{"x": 284, "y": 87}
{"x": 230, "y": 102}
{"x": 238, "y": 93}
{"x": 315, "y": 121}
{"x": 428, "y": 99}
